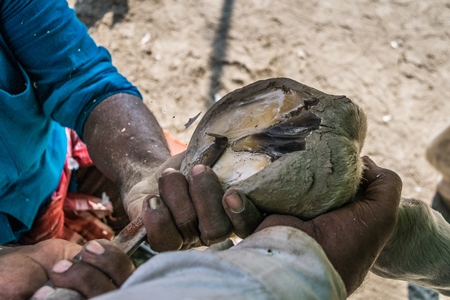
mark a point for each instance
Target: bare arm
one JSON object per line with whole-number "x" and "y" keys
{"x": 124, "y": 140}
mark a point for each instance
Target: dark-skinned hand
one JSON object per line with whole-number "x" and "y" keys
{"x": 189, "y": 212}
{"x": 102, "y": 268}
{"x": 24, "y": 269}
{"x": 192, "y": 214}
{"x": 353, "y": 235}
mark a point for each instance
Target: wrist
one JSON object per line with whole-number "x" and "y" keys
{"x": 124, "y": 140}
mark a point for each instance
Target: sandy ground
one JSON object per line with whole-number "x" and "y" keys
{"x": 392, "y": 57}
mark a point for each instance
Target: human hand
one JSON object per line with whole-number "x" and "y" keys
{"x": 181, "y": 213}
{"x": 101, "y": 267}
{"x": 353, "y": 235}
{"x": 195, "y": 211}
{"x": 24, "y": 269}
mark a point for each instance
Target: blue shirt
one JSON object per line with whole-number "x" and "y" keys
{"x": 52, "y": 74}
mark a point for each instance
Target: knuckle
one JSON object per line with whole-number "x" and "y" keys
{"x": 391, "y": 175}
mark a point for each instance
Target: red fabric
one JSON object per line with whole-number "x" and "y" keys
{"x": 61, "y": 218}
{"x": 175, "y": 145}
{"x": 77, "y": 217}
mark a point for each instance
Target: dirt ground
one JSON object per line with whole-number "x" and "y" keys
{"x": 392, "y": 57}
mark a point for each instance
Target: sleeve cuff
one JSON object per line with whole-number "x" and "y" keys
{"x": 288, "y": 262}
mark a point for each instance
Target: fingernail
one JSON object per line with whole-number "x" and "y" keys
{"x": 198, "y": 169}
{"x": 168, "y": 171}
{"x": 62, "y": 266}
{"x": 43, "y": 293}
{"x": 234, "y": 202}
{"x": 95, "y": 248}
{"x": 155, "y": 203}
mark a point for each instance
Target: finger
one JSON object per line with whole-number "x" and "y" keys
{"x": 383, "y": 186}
{"x": 174, "y": 190}
{"x": 206, "y": 194}
{"x": 242, "y": 213}
{"x": 82, "y": 277}
{"x": 173, "y": 162}
{"x": 162, "y": 234}
{"x": 48, "y": 252}
{"x": 111, "y": 260}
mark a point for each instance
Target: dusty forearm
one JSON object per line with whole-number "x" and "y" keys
{"x": 124, "y": 140}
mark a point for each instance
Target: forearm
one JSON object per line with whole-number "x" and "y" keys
{"x": 124, "y": 140}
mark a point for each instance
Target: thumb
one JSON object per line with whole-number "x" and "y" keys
{"x": 382, "y": 188}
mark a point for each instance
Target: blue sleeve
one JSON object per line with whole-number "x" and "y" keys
{"x": 69, "y": 72}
